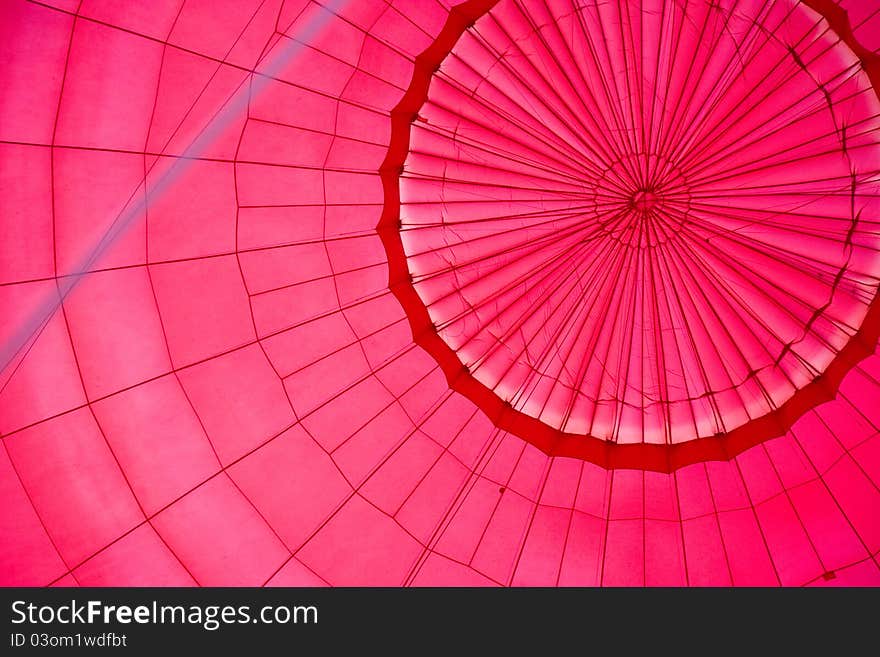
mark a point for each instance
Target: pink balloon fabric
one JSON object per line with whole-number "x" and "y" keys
{"x": 494, "y": 292}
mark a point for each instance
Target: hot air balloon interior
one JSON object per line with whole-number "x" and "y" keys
{"x": 440, "y": 293}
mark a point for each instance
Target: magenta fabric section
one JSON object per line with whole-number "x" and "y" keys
{"x": 497, "y": 292}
